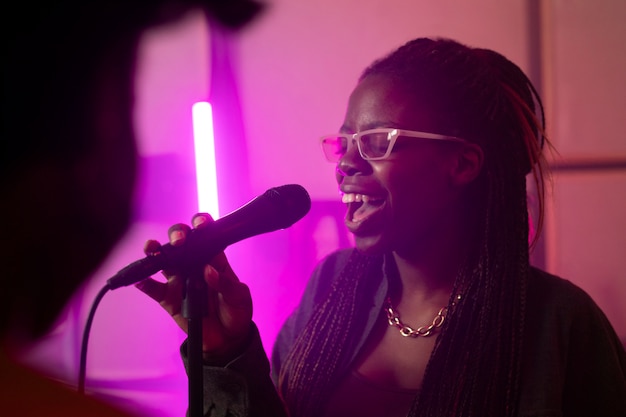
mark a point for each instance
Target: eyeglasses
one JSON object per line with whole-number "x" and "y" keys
{"x": 373, "y": 144}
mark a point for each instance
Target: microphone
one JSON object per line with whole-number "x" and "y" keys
{"x": 277, "y": 208}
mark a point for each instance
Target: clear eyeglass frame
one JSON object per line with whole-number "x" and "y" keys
{"x": 373, "y": 144}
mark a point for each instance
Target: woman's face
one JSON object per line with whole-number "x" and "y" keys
{"x": 404, "y": 201}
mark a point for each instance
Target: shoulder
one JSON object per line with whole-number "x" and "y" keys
{"x": 325, "y": 273}
{"x": 320, "y": 283}
{"x": 551, "y": 294}
{"x": 562, "y": 318}
{"x": 562, "y": 315}
{"x": 315, "y": 292}
{"x": 544, "y": 281}
{"x": 334, "y": 262}
{"x": 571, "y": 351}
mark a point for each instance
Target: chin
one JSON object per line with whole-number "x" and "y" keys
{"x": 371, "y": 245}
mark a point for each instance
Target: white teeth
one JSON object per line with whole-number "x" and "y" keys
{"x": 358, "y": 198}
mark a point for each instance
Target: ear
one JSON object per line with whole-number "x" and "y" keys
{"x": 468, "y": 164}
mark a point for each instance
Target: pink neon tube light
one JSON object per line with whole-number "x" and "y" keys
{"x": 206, "y": 174}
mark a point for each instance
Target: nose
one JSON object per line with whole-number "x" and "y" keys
{"x": 350, "y": 163}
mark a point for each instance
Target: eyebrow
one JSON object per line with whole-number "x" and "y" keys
{"x": 374, "y": 125}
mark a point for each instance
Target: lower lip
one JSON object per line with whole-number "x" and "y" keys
{"x": 367, "y": 225}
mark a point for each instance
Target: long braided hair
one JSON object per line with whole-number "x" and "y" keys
{"x": 475, "y": 368}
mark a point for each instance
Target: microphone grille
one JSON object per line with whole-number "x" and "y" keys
{"x": 291, "y": 200}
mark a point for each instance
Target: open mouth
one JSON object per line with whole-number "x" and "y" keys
{"x": 361, "y": 206}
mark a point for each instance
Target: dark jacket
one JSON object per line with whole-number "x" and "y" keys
{"x": 574, "y": 364}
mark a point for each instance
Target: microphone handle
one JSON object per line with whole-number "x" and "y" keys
{"x": 137, "y": 271}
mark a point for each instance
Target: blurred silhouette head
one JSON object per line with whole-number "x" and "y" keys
{"x": 68, "y": 146}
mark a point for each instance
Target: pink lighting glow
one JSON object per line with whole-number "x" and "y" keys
{"x": 204, "y": 145}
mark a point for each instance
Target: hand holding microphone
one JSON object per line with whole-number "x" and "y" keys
{"x": 227, "y": 326}
{"x": 229, "y": 302}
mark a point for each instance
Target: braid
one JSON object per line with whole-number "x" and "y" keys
{"x": 328, "y": 338}
{"x": 479, "y": 95}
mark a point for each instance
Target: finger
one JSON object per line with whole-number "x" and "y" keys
{"x": 228, "y": 285}
{"x": 154, "y": 289}
{"x": 234, "y": 303}
{"x": 211, "y": 277}
{"x": 177, "y": 234}
{"x": 151, "y": 247}
{"x": 201, "y": 219}
{"x": 221, "y": 264}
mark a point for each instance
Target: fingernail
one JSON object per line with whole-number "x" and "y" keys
{"x": 198, "y": 220}
{"x": 177, "y": 236}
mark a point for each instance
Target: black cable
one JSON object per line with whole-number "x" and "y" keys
{"x": 83, "y": 349}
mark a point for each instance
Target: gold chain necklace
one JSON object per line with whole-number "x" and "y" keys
{"x": 393, "y": 317}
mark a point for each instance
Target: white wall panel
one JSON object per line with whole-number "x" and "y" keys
{"x": 300, "y": 61}
{"x": 584, "y": 76}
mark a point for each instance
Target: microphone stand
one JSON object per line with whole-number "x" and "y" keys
{"x": 194, "y": 309}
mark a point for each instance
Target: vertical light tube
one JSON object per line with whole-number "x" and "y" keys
{"x": 206, "y": 171}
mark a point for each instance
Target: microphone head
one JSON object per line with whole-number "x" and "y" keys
{"x": 292, "y": 201}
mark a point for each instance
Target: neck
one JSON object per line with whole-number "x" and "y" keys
{"x": 425, "y": 285}
{"x": 424, "y": 280}
{"x": 430, "y": 269}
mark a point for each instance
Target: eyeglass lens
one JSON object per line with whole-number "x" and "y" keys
{"x": 372, "y": 145}
{"x": 334, "y": 147}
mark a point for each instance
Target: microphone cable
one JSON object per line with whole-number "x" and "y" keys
{"x": 85, "y": 341}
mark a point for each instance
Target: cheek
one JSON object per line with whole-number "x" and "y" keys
{"x": 419, "y": 190}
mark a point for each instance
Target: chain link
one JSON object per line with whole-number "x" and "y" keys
{"x": 393, "y": 317}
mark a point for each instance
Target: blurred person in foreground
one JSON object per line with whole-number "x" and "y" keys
{"x": 68, "y": 167}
